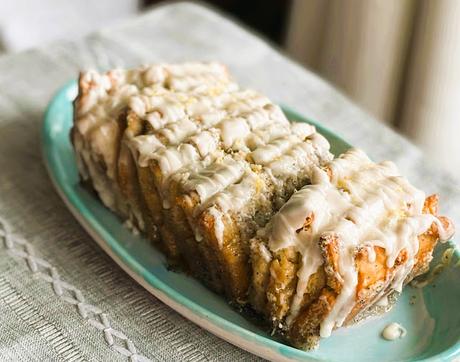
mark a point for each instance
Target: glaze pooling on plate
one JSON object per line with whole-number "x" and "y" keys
{"x": 433, "y": 334}
{"x": 394, "y": 331}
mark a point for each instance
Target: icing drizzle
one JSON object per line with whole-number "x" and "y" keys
{"x": 361, "y": 203}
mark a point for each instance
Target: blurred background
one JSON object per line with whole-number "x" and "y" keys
{"x": 398, "y": 59}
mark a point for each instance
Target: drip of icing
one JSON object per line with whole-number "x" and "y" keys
{"x": 266, "y": 255}
{"x": 234, "y": 129}
{"x": 176, "y": 132}
{"x": 166, "y": 106}
{"x": 299, "y": 159}
{"x": 237, "y": 195}
{"x": 146, "y": 146}
{"x": 103, "y": 142}
{"x": 383, "y": 301}
{"x": 394, "y": 331}
{"x": 259, "y": 119}
{"x": 154, "y": 74}
{"x": 371, "y": 255}
{"x": 212, "y": 117}
{"x": 269, "y": 152}
{"x": 303, "y": 130}
{"x": 215, "y": 178}
{"x": 172, "y": 159}
{"x": 138, "y": 106}
{"x": 219, "y": 226}
{"x": 206, "y": 142}
{"x": 260, "y": 137}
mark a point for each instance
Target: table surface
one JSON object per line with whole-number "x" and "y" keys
{"x": 61, "y": 297}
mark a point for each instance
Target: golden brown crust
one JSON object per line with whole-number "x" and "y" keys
{"x": 260, "y": 276}
{"x": 208, "y": 268}
{"x": 282, "y": 285}
{"x": 329, "y": 246}
{"x": 304, "y": 331}
{"x": 374, "y": 277}
{"x": 231, "y": 255}
{"x": 175, "y": 225}
{"x": 133, "y": 180}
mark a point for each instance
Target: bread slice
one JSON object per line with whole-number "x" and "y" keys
{"x": 358, "y": 232}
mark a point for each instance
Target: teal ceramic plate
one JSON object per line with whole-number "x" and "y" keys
{"x": 432, "y": 323}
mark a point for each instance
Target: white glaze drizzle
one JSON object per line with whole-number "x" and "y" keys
{"x": 215, "y": 178}
{"x": 219, "y": 226}
{"x": 261, "y": 137}
{"x": 184, "y": 103}
{"x": 237, "y": 195}
{"x": 172, "y": 159}
{"x": 267, "y": 153}
{"x": 393, "y": 331}
{"x": 101, "y": 100}
{"x": 301, "y": 157}
{"x": 147, "y": 147}
{"x": 233, "y": 129}
{"x": 206, "y": 142}
{"x": 264, "y": 252}
{"x": 176, "y": 132}
{"x": 104, "y": 95}
{"x": 234, "y": 125}
{"x": 383, "y": 301}
{"x": 363, "y": 204}
{"x": 261, "y": 121}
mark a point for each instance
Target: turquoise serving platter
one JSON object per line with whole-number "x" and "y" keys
{"x": 432, "y": 323}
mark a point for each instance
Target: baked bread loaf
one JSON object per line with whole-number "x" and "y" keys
{"x": 192, "y": 161}
{"x": 209, "y": 172}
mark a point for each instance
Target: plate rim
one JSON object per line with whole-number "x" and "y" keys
{"x": 219, "y": 326}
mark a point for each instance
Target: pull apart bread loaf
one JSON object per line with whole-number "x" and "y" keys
{"x": 358, "y": 232}
{"x": 209, "y": 173}
{"x": 192, "y": 161}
